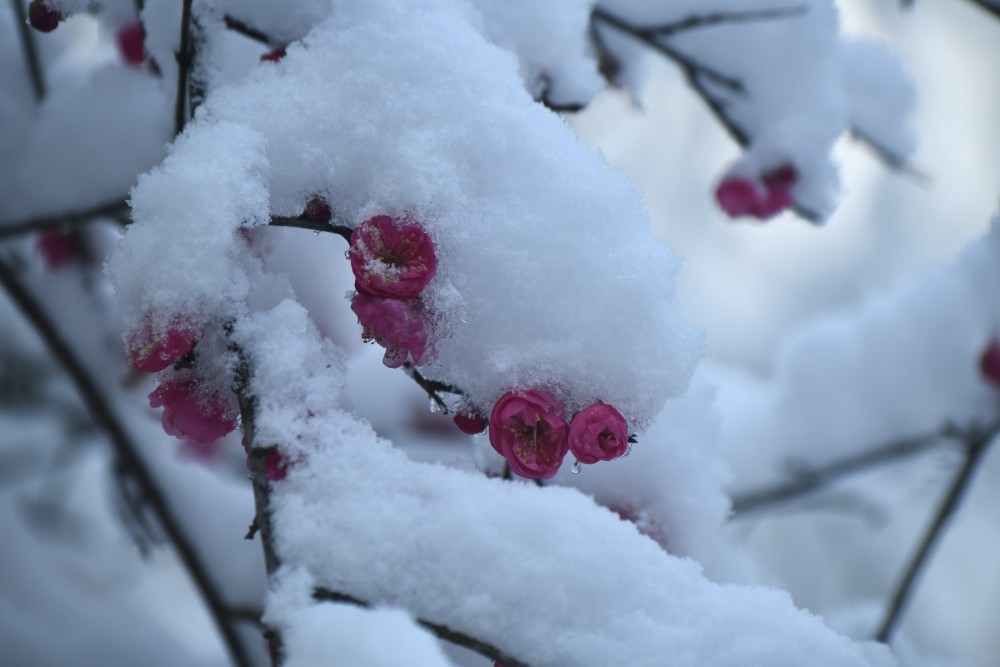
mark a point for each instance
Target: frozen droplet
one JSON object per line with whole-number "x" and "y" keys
{"x": 315, "y": 232}
{"x": 577, "y": 467}
{"x": 628, "y": 449}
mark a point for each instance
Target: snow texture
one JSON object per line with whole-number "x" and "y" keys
{"x": 567, "y": 565}
{"x": 527, "y": 293}
{"x": 326, "y": 634}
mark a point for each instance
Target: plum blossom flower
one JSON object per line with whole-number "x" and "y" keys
{"x": 150, "y": 350}
{"x": 391, "y": 258}
{"x": 763, "y": 199}
{"x": 57, "y": 248}
{"x": 187, "y": 415}
{"x": 527, "y": 429}
{"x": 395, "y": 324}
{"x": 598, "y": 433}
{"x": 989, "y": 363}
{"x": 472, "y": 424}
{"x": 43, "y": 18}
{"x": 318, "y": 210}
{"x": 131, "y": 40}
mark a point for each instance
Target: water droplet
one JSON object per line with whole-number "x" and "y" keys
{"x": 434, "y": 407}
{"x": 315, "y": 232}
{"x": 628, "y": 449}
{"x": 577, "y": 467}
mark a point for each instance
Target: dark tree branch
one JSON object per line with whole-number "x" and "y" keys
{"x": 442, "y": 631}
{"x": 128, "y": 455}
{"x": 723, "y": 18}
{"x": 258, "y": 476}
{"x": 112, "y": 209}
{"x": 810, "y": 481}
{"x": 312, "y": 225}
{"x": 238, "y": 26}
{"x": 185, "y": 60}
{"x": 975, "y": 447}
{"x": 30, "y": 53}
{"x": 432, "y": 387}
{"x": 986, "y": 6}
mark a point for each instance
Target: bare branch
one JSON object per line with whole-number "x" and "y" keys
{"x": 432, "y": 387}
{"x": 723, "y": 18}
{"x": 811, "y": 481}
{"x": 128, "y": 455}
{"x": 886, "y": 155}
{"x": 185, "y": 60}
{"x": 442, "y": 631}
{"x": 111, "y": 209}
{"x": 238, "y": 26}
{"x": 975, "y": 448}
{"x": 30, "y": 53}
{"x": 312, "y": 225}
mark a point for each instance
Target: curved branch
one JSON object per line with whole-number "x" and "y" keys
{"x": 128, "y": 455}
{"x": 975, "y": 448}
{"x": 811, "y": 481}
{"x": 441, "y": 631}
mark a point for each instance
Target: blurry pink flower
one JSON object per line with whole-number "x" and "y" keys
{"x": 57, "y": 248}
{"x": 527, "y": 429}
{"x": 131, "y": 40}
{"x": 188, "y": 416}
{"x": 395, "y": 324}
{"x": 989, "y": 363}
{"x": 150, "y": 351}
{"x": 273, "y": 56}
{"x": 43, "y": 18}
{"x": 741, "y": 196}
{"x": 391, "y": 258}
{"x": 205, "y": 452}
{"x": 470, "y": 423}
{"x": 598, "y": 433}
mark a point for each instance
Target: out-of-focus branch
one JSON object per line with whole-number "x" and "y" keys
{"x": 442, "y": 631}
{"x": 185, "y": 60}
{"x": 722, "y": 18}
{"x": 975, "y": 446}
{"x": 245, "y": 29}
{"x": 112, "y": 209}
{"x": 886, "y": 155}
{"x": 127, "y": 453}
{"x": 987, "y": 6}
{"x": 811, "y": 481}
{"x": 30, "y": 53}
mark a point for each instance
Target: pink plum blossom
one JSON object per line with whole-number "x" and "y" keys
{"x": 395, "y": 324}
{"x": 527, "y": 429}
{"x": 43, "y": 18}
{"x": 743, "y": 196}
{"x": 391, "y": 258}
{"x": 470, "y": 423}
{"x": 131, "y": 40}
{"x": 151, "y": 351}
{"x": 598, "y": 433}
{"x": 989, "y": 363}
{"x": 318, "y": 210}
{"x": 187, "y": 415}
{"x": 56, "y": 248}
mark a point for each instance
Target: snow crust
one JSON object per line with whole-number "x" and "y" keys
{"x": 347, "y": 511}
{"x": 548, "y": 274}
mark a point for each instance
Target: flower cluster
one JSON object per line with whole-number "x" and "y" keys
{"x": 392, "y": 260}
{"x": 528, "y": 429}
{"x": 761, "y": 198}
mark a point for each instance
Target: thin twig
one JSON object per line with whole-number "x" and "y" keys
{"x": 111, "y": 209}
{"x": 127, "y": 452}
{"x": 442, "y": 631}
{"x": 30, "y": 53}
{"x": 974, "y": 450}
{"x": 245, "y": 29}
{"x": 185, "y": 60}
{"x": 721, "y": 18}
{"x": 885, "y": 155}
{"x": 312, "y": 225}
{"x": 811, "y": 481}
{"x": 261, "y": 485}
{"x": 432, "y": 387}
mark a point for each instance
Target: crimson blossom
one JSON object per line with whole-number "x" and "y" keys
{"x": 391, "y": 258}
{"x": 527, "y": 428}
